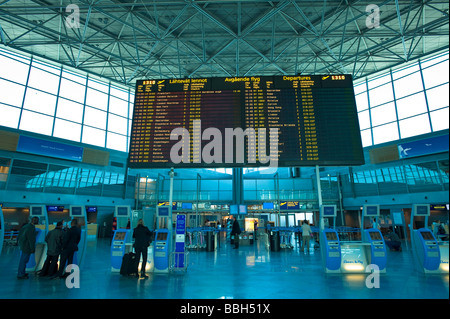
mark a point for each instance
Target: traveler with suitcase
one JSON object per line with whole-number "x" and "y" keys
{"x": 143, "y": 238}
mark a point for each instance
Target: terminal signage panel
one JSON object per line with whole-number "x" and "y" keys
{"x": 289, "y": 205}
{"x": 42, "y": 147}
{"x": 245, "y": 121}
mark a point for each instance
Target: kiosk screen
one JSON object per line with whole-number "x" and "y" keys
{"x": 375, "y": 235}
{"x": 77, "y": 211}
{"x": 120, "y": 236}
{"x": 427, "y": 236}
{"x": 161, "y": 236}
{"x": 331, "y": 236}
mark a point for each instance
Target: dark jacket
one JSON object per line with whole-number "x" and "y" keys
{"x": 236, "y": 228}
{"x": 143, "y": 237}
{"x": 54, "y": 241}
{"x": 71, "y": 239}
{"x": 27, "y": 239}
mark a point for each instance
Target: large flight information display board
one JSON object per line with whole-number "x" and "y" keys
{"x": 280, "y": 121}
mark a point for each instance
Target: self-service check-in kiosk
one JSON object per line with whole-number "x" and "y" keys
{"x": 352, "y": 256}
{"x": 430, "y": 254}
{"x": 331, "y": 251}
{"x": 122, "y": 238}
{"x": 330, "y": 246}
{"x": 358, "y": 256}
{"x": 377, "y": 246}
{"x": 162, "y": 243}
{"x": 37, "y": 259}
{"x": 373, "y": 237}
{"x": 79, "y": 212}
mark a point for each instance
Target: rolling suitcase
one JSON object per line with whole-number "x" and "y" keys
{"x": 129, "y": 265}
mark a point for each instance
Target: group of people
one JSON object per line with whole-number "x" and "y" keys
{"x": 306, "y": 233}
{"x": 61, "y": 245}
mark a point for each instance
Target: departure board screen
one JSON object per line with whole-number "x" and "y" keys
{"x": 276, "y": 121}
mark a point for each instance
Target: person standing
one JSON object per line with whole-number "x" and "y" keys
{"x": 306, "y": 235}
{"x": 143, "y": 238}
{"x": 393, "y": 241}
{"x": 27, "y": 244}
{"x": 70, "y": 245}
{"x": 54, "y": 240}
{"x": 235, "y": 231}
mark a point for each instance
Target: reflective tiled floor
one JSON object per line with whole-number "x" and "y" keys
{"x": 252, "y": 272}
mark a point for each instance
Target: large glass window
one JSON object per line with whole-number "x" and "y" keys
{"x": 405, "y": 101}
{"x": 67, "y": 130}
{"x": 117, "y": 124}
{"x": 364, "y": 120}
{"x": 439, "y": 119}
{"x": 411, "y": 105}
{"x": 362, "y": 102}
{"x": 11, "y": 93}
{"x": 438, "y": 97}
{"x": 36, "y": 122}
{"x": 385, "y": 133}
{"x": 415, "y": 126}
{"x": 56, "y": 102}
{"x": 69, "y": 110}
{"x": 9, "y": 116}
{"x": 39, "y": 101}
{"x": 14, "y": 67}
{"x": 381, "y": 95}
{"x": 436, "y": 74}
{"x": 95, "y": 117}
{"x": 366, "y": 137}
{"x": 93, "y": 136}
{"x": 97, "y": 99}
{"x": 408, "y": 85}
{"x": 45, "y": 78}
{"x": 72, "y": 90}
{"x": 383, "y": 114}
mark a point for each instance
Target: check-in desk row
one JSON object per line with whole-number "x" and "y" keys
{"x": 356, "y": 257}
{"x": 352, "y": 257}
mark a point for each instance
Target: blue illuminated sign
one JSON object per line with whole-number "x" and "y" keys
{"x": 431, "y": 145}
{"x": 38, "y": 146}
{"x": 289, "y": 205}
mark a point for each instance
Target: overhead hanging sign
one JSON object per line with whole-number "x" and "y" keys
{"x": 38, "y": 146}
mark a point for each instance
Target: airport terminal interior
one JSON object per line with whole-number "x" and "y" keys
{"x": 118, "y": 113}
